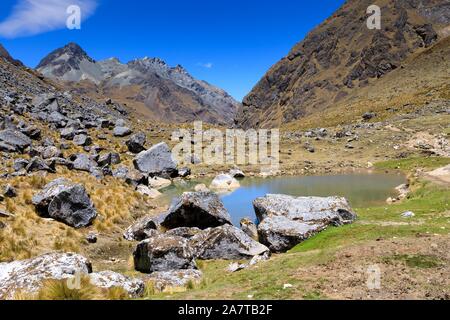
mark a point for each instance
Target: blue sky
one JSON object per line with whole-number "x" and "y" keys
{"x": 230, "y": 43}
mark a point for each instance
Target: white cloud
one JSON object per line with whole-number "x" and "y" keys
{"x": 31, "y": 17}
{"x": 207, "y": 65}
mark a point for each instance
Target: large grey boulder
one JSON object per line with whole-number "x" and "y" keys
{"x": 28, "y": 275}
{"x": 43, "y": 198}
{"x": 148, "y": 192}
{"x": 53, "y": 162}
{"x": 225, "y": 242}
{"x": 281, "y": 234}
{"x": 66, "y": 202}
{"x": 107, "y": 159}
{"x": 121, "y": 172}
{"x": 163, "y": 253}
{"x": 157, "y": 161}
{"x": 327, "y": 210}
{"x": 83, "y": 162}
{"x": 110, "y": 279}
{"x": 68, "y": 133}
{"x": 184, "y": 232}
{"x": 224, "y": 183}
{"x": 136, "y": 178}
{"x": 37, "y": 164}
{"x": 4, "y": 147}
{"x": 14, "y": 140}
{"x": 122, "y": 131}
{"x": 20, "y": 164}
{"x": 184, "y": 172}
{"x": 46, "y": 101}
{"x": 237, "y": 173}
{"x": 159, "y": 183}
{"x": 57, "y": 119}
{"x": 82, "y": 140}
{"x": 51, "y": 152}
{"x": 136, "y": 143}
{"x": 31, "y": 131}
{"x": 142, "y": 229}
{"x": 285, "y": 221}
{"x": 196, "y": 209}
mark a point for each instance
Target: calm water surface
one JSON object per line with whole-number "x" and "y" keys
{"x": 360, "y": 189}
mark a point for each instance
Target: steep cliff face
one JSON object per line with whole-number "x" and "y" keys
{"x": 341, "y": 56}
{"x": 164, "y": 93}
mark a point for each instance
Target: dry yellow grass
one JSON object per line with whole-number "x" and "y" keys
{"x": 28, "y": 235}
{"x": 61, "y": 290}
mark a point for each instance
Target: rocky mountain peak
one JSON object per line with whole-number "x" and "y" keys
{"x": 5, "y": 55}
{"x": 340, "y": 56}
{"x": 71, "y": 53}
{"x": 70, "y": 63}
{"x": 164, "y": 90}
{"x": 179, "y": 68}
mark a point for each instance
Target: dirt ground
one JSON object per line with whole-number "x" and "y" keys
{"x": 409, "y": 269}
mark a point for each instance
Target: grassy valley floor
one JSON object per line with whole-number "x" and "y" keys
{"x": 412, "y": 255}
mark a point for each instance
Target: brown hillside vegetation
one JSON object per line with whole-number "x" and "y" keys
{"x": 342, "y": 56}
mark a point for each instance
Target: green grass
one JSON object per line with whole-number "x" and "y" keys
{"x": 411, "y": 164}
{"x": 416, "y": 261}
{"x": 266, "y": 280}
{"x": 386, "y": 221}
{"x": 314, "y": 295}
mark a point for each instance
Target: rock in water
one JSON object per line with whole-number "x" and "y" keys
{"x": 110, "y": 279}
{"x": 184, "y": 172}
{"x": 148, "y": 192}
{"x": 237, "y": 173}
{"x": 66, "y": 202}
{"x": 226, "y": 242}
{"x": 281, "y": 234}
{"x": 224, "y": 182}
{"x": 157, "y": 161}
{"x": 201, "y": 188}
{"x": 28, "y": 275}
{"x": 196, "y": 209}
{"x": 159, "y": 183}
{"x": 331, "y": 210}
{"x": 163, "y": 253}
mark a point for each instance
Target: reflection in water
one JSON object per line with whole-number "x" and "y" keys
{"x": 360, "y": 189}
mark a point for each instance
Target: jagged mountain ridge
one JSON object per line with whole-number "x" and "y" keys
{"x": 342, "y": 55}
{"x": 149, "y": 85}
{"x": 4, "y": 54}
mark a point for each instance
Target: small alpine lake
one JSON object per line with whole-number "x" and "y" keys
{"x": 361, "y": 189}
